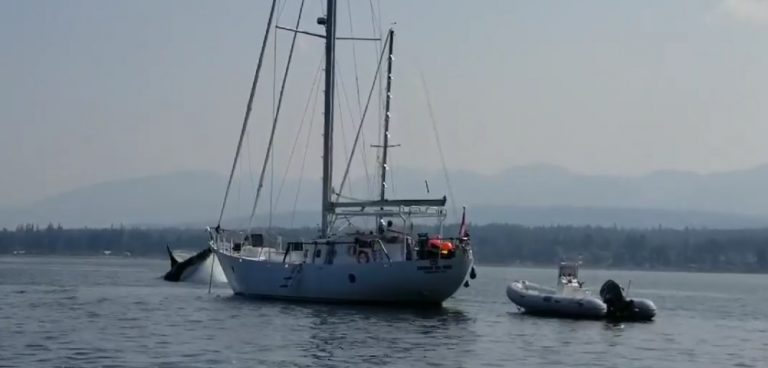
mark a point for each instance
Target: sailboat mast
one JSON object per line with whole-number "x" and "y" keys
{"x": 385, "y": 145}
{"x": 330, "y": 59}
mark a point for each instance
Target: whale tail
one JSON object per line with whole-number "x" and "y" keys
{"x": 180, "y": 268}
{"x": 174, "y": 261}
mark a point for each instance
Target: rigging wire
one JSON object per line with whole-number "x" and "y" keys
{"x": 391, "y": 186}
{"x": 238, "y": 200}
{"x": 362, "y": 119}
{"x": 251, "y": 173}
{"x": 304, "y": 159}
{"x": 312, "y": 94}
{"x": 354, "y": 57}
{"x": 340, "y": 115}
{"x": 274, "y": 121}
{"x": 376, "y": 14}
{"x": 339, "y": 94}
{"x": 349, "y": 198}
{"x": 247, "y": 111}
{"x": 280, "y": 8}
{"x": 439, "y": 144}
{"x": 362, "y": 137}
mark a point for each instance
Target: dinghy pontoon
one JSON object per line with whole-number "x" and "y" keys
{"x": 568, "y": 300}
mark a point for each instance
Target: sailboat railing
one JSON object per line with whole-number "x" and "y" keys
{"x": 422, "y": 212}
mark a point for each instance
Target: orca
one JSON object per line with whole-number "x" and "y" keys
{"x": 194, "y": 268}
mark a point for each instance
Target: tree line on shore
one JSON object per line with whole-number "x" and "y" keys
{"x": 738, "y": 250}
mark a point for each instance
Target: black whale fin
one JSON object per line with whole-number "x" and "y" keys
{"x": 174, "y": 261}
{"x": 178, "y": 269}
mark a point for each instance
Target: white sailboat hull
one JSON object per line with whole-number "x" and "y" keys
{"x": 383, "y": 282}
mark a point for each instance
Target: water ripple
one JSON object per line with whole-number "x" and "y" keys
{"x": 88, "y": 312}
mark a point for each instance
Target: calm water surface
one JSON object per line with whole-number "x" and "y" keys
{"x": 117, "y": 312}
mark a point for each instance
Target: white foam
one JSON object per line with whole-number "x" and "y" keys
{"x": 202, "y": 272}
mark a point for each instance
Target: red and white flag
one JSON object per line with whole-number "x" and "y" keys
{"x": 463, "y": 227}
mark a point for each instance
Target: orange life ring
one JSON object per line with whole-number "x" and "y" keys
{"x": 362, "y": 257}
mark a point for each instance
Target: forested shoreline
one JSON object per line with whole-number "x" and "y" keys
{"x": 706, "y": 250}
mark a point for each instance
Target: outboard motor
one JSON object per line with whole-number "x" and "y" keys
{"x": 613, "y": 296}
{"x": 622, "y": 309}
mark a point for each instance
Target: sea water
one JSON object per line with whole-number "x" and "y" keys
{"x": 118, "y": 312}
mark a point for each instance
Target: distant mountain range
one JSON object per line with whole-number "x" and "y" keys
{"x": 529, "y": 195}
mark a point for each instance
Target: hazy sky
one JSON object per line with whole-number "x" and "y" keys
{"x": 99, "y": 90}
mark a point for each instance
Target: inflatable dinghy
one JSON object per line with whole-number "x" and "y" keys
{"x": 571, "y": 300}
{"x": 539, "y": 300}
{"x": 568, "y": 300}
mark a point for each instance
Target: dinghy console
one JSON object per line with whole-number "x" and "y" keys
{"x": 568, "y": 276}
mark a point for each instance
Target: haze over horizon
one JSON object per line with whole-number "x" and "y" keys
{"x": 99, "y": 91}
{"x": 409, "y": 171}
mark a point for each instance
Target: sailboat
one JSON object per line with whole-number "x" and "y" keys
{"x": 388, "y": 262}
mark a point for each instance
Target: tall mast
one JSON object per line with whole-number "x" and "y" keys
{"x": 330, "y": 59}
{"x": 385, "y": 145}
